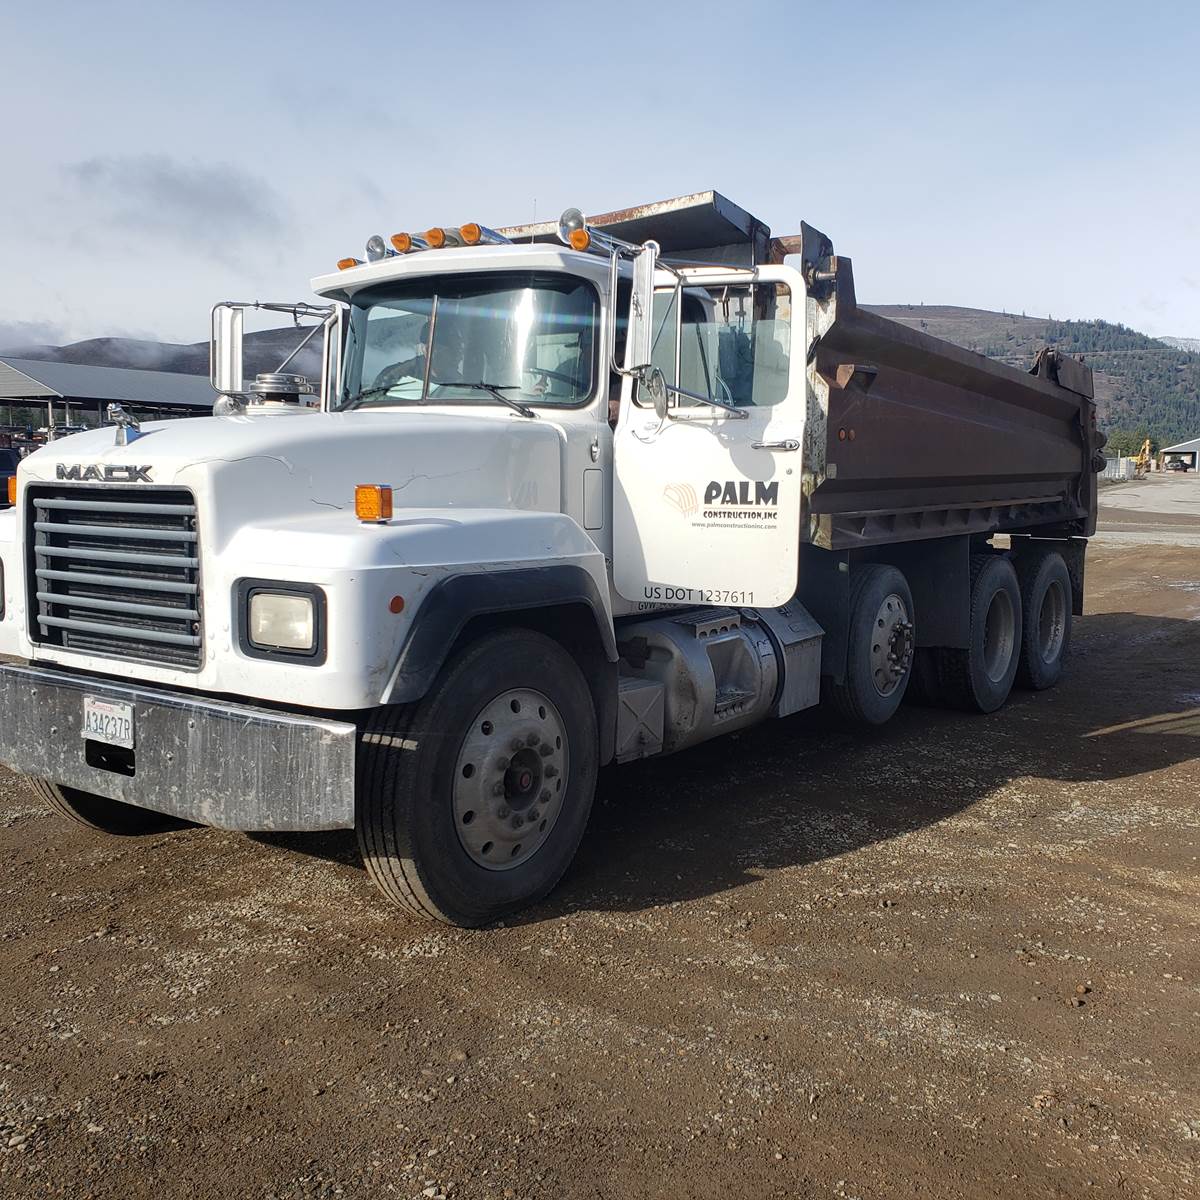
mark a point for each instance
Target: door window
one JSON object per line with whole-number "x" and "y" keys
{"x": 730, "y": 343}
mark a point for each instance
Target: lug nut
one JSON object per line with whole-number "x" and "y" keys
{"x": 498, "y": 788}
{"x": 518, "y": 821}
{"x": 502, "y": 812}
{"x": 517, "y": 744}
{"x": 532, "y": 740}
{"x": 546, "y": 750}
{"x": 545, "y": 796}
{"x": 550, "y": 771}
{"x": 502, "y": 764}
{"x": 533, "y": 815}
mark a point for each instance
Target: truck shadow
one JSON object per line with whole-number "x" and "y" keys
{"x": 788, "y": 793}
{"x": 793, "y": 792}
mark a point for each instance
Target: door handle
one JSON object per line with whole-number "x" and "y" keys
{"x": 784, "y": 444}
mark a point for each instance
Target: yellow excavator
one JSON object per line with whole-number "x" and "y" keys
{"x": 1141, "y": 464}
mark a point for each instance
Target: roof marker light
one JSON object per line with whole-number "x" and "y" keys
{"x": 376, "y": 248}
{"x": 405, "y": 243}
{"x": 344, "y": 264}
{"x": 474, "y": 234}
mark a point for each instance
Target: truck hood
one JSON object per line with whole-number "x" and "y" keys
{"x": 241, "y": 467}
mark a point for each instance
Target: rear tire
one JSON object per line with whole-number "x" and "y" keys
{"x": 100, "y": 813}
{"x": 472, "y": 803}
{"x": 1046, "y": 617}
{"x": 879, "y": 648}
{"x": 980, "y": 678}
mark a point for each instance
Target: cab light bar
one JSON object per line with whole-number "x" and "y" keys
{"x": 437, "y": 238}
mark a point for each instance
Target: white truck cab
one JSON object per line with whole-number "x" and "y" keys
{"x": 552, "y": 504}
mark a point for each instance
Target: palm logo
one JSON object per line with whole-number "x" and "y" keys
{"x": 681, "y": 496}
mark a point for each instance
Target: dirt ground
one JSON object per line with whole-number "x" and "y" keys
{"x": 955, "y": 958}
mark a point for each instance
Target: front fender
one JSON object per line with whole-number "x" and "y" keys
{"x": 457, "y": 599}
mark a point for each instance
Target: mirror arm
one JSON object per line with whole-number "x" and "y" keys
{"x": 308, "y": 337}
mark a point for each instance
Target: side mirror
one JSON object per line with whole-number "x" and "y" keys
{"x": 641, "y": 307}
{"x": 225, "y": 351}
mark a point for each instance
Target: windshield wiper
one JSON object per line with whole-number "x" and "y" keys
{"x": 495, "y": 389}
{"x": 375, "y": 390}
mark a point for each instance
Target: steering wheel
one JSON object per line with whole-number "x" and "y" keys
{"x": 562, "y": 375}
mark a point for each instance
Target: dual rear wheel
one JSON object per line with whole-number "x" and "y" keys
{"x": 1020, "y": 631}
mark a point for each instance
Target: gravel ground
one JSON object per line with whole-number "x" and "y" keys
{"x": 954, "y": 958}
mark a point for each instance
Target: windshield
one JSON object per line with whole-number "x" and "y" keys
{"x": 459, "y": 339}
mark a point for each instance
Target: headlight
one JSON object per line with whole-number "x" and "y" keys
{"x": 279, "y": 619}
{"x": 282, "y": 622}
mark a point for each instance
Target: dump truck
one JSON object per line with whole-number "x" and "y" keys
{"x": 555, "y": 496}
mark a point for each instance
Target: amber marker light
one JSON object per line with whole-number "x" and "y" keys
{"x": 12, "y": 489}
{"x": 373, "y": 503}
{"x": 344, "y": 264}
{"x": 396, "y": 605}
{"x": 402, "y": 243}
{"x": 474, "y": 234}
{"x": 435, "y": 237}
{"x": 580, "y": 239}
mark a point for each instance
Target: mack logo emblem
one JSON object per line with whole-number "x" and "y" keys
{"x": 110, "y": 473}
{"x": 738, "y": 492}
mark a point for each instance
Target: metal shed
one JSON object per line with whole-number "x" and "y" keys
{"x": 1188, "y": 451}
{"x": 27, "y": 382}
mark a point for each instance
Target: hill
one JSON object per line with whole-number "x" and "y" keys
{"x": 1143, "y": 385}
{"x": 264, "y": 351}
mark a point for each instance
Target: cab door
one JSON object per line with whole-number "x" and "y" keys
{"x": 707, "y": 499}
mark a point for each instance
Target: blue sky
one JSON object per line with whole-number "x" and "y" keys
{"x": 158, "y": 157}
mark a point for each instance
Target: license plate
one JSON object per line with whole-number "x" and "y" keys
{"x": 108, "y": 721}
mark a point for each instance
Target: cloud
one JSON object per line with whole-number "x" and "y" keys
{"x": 213, "y": 204}
{"x": 23, "y": 335}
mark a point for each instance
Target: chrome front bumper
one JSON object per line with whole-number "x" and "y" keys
{"x": 228, "y": 765}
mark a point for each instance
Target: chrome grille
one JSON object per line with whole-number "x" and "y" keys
{"x": 116, "y": 572}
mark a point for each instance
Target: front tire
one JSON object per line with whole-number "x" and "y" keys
{"x": 879, "y": 649}
{"x": 101, "y": 814}
{"x": 472, "y": 803}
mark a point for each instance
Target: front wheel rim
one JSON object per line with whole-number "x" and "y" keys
{"x": 891, "y": 644}
{"x": 510, "y": 779}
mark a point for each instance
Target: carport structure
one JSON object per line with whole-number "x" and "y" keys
{"x": 76, "y": 386}
{"x": 1188, "y": 451}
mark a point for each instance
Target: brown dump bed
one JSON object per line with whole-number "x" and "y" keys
{"x": 911, "y": 437}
